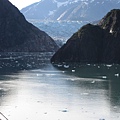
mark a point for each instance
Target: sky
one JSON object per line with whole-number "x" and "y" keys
{"x": 22, "y": 3}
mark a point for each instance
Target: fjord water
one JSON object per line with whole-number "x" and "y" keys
{"x": 33, "y": 89}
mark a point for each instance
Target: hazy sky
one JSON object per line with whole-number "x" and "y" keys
{"x": 22, "y": 3}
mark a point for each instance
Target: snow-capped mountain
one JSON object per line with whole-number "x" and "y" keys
{"x": 85, "y": 10}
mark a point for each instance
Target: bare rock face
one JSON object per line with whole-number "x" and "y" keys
{"x": 18, "y": 35}
{"x": 93, "y": 43}
{"x": 111, "y": 22}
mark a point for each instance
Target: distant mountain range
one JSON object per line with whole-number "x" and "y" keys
{"x": 82, "y": 10}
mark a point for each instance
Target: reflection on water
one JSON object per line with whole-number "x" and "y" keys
{"x": 41, "y": 91}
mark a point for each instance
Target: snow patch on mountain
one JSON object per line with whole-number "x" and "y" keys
{"x": 86, "y": 10}
{"x": 59, "y": 4}
{"x": 62, "y": 15}
{"x": 51, "y": 12}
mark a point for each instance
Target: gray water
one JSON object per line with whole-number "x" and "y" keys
{"x": 33, "y": 89}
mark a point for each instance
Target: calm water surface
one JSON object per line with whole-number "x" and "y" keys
{"x": 32, "y": 89}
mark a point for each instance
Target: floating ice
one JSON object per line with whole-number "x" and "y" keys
{"x": 98, "y": 66}
{"x": 84, "y": 93}
{"x": 93, "y": 81}
{"x": 104, "y": 77}
{"x": 73, "y": 70}
{"x": 117, "y": 74}
{"x": 37, "y": 74}
{"x": 59, "y": 65}
{"x": 66, "y": 66}
{"x": 109, "y": 65}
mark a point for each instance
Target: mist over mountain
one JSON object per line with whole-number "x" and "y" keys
{"x": 82, "y": 10}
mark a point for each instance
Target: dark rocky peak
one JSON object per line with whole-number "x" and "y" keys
{"x": 18, "y": 35}
{"x": 88, "y": 33}
{"x": 111, "y": 22}
{"x": 8, "y": 9}
{"x": 84, "y": 45}
{"x": 93, "y": 43}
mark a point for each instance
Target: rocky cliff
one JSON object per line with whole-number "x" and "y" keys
{"x": 18, "y": 35}
{"x": 93, "y": 43}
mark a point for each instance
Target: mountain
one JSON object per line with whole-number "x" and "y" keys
{"x": 18, "y": 35}
{"x": 81, "y": 10}
{"x": 93, "y": 43}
